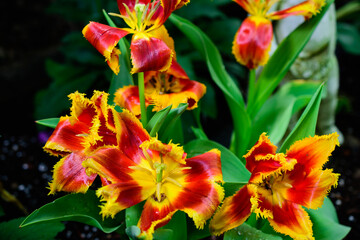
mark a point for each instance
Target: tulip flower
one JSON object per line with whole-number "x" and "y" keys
{"x": 91, "y": 124}
{"x": 141, "y": 168}
{"x": 280, "y": 184}
{"x": 152, "y": 49}
{"x": 162, "y": 89}
{"x": 252, "y": 41}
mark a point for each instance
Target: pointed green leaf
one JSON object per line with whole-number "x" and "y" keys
{"x": 222, "y": 79}
{"x": 170, "y": 123}
{"x": 157, "y": 121}
{"x": 77, "y": 207}
{"x": 305, "y": 126}
{"x": 49, "y": 122}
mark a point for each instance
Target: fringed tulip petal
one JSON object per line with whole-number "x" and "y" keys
{"x": 149, "y": 54}
{"x": 252, "y": 42}
{"x": 70, "y": 176}
{"x": 155, "y": 214}
{"x": 104, "y": 38}
{"x": 132, "y": 136}
{"x": 313, "y": 152}
{"x": 307, "y": 9}
{"x": 291, "y": 219}
{"x": 310, "y": 189}
{"x": 128, "y": 97}
{"x": 233, "y": 212}
{"x": 200, "y": 194}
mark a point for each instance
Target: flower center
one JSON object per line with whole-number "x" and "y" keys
{"x": 140, "y": 19}
{"x": 163, "y": 83}
{"x": 274, "y": 188}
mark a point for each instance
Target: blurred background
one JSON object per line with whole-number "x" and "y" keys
{"x": 44, "y": 57}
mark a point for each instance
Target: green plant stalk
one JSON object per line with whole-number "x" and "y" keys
{"x": 347, "y": 10}
{"x": 141, "y": 86}
{"x": 251, "y": 88}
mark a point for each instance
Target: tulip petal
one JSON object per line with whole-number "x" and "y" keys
{"x": 307, "y": 9}
{"x": 313, "y": 152}
{"x": 291, "y": 219}
{"x": 149, "y": 53}
{"x": 132, "y": 135}
{"x": 309, "y": 190}
{"x": 252, "y": 42}
{"x": 127, "y": 187}
{"x": 154, "y": 215}
{"x": 263, "y": 161}
{"x": 128, "y": 97}
{"x": 233, "y": 212}
{"x": 104, "y": 38}
{"x": 70, "y": 175}
{"x": 200, "y": 195}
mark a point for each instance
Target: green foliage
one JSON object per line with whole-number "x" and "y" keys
{"x": 44, "y": 231}
{"x": 77, "y": 207}
{"x": 49, "y": 122}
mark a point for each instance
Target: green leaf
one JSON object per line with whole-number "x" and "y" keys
{"x": 49, "y": 122}
{"x": 274, "y": 116}
{"x": 282, "y": 59}
{"x": 43, "y": 231}
{"x": 349, "y": 37}
{"x": 157, "y": 121}
{"x": 170, "y": 122}
{"x": 222, "y": 79}
{"x": 326, "y": 224}
{"x": 247, "y": 232}
{"x": 212, "y": 56}
{"x": 305, "y": 126}
{"x": 77, "y": 207}
{"x": 232, "y": 168}
{"x": 199, "y": 133}
{"x": 132, "y": 214}
{"x": 177, "y": 225}
{"x": 67, "y": 79}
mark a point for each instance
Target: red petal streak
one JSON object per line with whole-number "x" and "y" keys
{"x": 155, "y": 214}
{"x": 233, "y": 212}
{"x": 128, "y": 97}
{"x": 206, "y": 166}
{"x": 149, "y": 54}
{"x": 309, "y": 190}
{"x": 104, "y": 38}
{"x": 292, "y": 220}
{"x": 66, "y": 138}
{"x": 132, "y": 136}
{"x": 110, "y": 163}
{"x": 252, "y": 42}
{"x": 70, "y": 176}
{"x": 313, "y": 152}
{"x": 262, "y": 148}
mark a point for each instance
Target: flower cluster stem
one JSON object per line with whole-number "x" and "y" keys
{"x": 141, "y": 86}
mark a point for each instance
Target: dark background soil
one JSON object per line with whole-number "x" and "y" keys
{"x": 29, "y": 36}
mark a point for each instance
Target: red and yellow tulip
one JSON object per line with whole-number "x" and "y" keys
{"x": 252, "y": 41}
{"x": 280, "y": 184}
{"x": 91, "y": 124}
{"x": 141, "y": 168}
{"x": 162, "y": 89}
{"x": 152, "y": 49}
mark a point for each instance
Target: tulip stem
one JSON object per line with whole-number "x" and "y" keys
{"x": 251, "y": 88}
{"x": 141, "y": 86}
